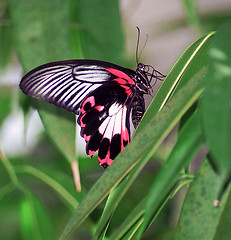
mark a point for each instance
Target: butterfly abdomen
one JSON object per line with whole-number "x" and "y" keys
{"x": 138, "y": 109}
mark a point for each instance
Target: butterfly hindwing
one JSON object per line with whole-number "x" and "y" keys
{"x": 104, "y": 120}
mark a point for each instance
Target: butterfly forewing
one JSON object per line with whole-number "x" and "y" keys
{"x": 65, "y": 83}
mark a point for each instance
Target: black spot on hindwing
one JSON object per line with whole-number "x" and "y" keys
{"x": 115, "y": 146}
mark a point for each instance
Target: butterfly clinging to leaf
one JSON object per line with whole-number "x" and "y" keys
{"x": 105, "y": 97}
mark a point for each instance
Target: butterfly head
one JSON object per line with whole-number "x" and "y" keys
{"x": 144, "y": 76}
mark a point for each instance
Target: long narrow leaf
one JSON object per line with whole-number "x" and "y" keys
{"x": 187, "y": 146}
{"x": 179, "y": 158}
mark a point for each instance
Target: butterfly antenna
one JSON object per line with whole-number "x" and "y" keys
{"x": 137, "y": 46}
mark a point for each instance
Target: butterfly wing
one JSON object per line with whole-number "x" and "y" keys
{"x": 66, "y": 83}
{"x": 104, "y": 120}
{"x": 100, "y": 92}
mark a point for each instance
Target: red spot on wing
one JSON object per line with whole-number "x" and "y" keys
{"x": 87, "y": 137}
{"x": 123, "y": 78}
{"x": 124, "y": 137}
{"x": 127, "y": 90}
{"x": 81, "y": 121}
{"x": 109, "y": 161}
{"x": 90, "y": 100}
{"x": 106, "y": 160}
{"x": 91, "y": 153}
{"x": 99, "y": 108}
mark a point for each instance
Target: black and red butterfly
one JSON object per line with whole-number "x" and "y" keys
{"x": 103, "y": 95}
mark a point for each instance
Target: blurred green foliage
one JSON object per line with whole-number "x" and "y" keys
{"x": 38, "y": 199}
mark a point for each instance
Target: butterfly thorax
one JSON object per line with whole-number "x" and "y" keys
{"x": 141, "y": 79}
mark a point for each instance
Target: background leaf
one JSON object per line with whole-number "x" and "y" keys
{"x": 216, "y": 108}
{"x": 5, "y": 35}
{"x": 34, "y": 220}
{"x": 199, "y": 218}
{"x": 191, "y": 7}
{"x": 47, "y": 38}
{"x": 5, "y": 103}
{"x": 101, "y": 29}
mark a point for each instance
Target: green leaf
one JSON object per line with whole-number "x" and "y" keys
{"x": 101, "y": 28}
{"x": 75, "y": 30}
{"x": 188, "y": 144}
{"x": 60, "y": 125}
{"x": 34, "y": 220}
{"x": 129, "y": 226}
{"x": 5, "y": 102}
{"x": 58, "y": 182}
{"x": 192, "y": 13}
{"x": 39, "y": 35}
{"x": 213, "y": 20}
{"x": 215, "y": 104}
{"x": 223, "y": 231}
{"x": 42, "y": 37}
{"x": 5, "y": 34}
{"x": 199, "y": 218}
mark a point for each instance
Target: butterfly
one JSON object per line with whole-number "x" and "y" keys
{"x": 104, "y": 96}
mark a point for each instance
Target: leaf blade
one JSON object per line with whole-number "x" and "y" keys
{"x": 215, "y": 104}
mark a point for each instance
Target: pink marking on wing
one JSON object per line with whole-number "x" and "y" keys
{"x": 121, "y": 76}
{"x": 81, "y": 121}
{"x": 124, "y": 131}
{"x": 91, "y": 153}
{"x": 101, "y": 161}
{"x": 99, "y": 108}
{"x": 107, "y": 160}
{"x": 124, "y": 137}
{"x": 127, "y": 90}
{"x": 86, "y": 137}
{"x": 121, "y": 81}
{"x": 90, "y": 100}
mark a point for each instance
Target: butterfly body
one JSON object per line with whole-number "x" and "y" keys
{"x": 102, "y": 94}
